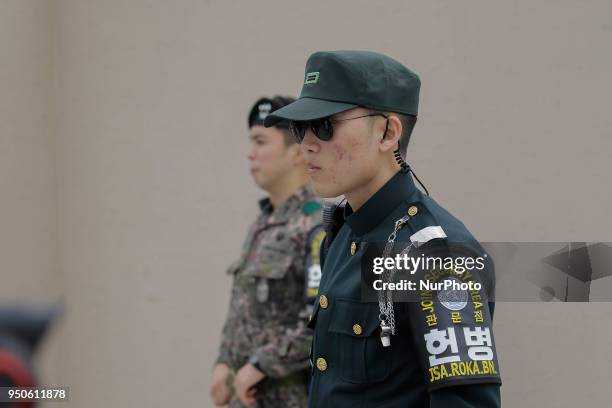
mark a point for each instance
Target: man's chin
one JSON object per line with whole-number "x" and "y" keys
{"x": 323, "y": 191}
{"x": 259, "y": 182}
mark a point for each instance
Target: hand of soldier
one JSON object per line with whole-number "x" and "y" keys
{"x": 219, "y": 392}
{"x": 246, "y": 379}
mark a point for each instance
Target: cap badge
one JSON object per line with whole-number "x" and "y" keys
{"x": 311, "y": 78}
{"x": 264, "y": 110}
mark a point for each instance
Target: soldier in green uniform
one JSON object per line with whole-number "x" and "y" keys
{"x": 354, "y": 118}
{"x": 263, "y": 357}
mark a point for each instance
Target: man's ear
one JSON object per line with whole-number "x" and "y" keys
{"x": 392, "y": 136}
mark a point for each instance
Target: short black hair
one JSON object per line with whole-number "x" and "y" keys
{"x": 408, "y": 122}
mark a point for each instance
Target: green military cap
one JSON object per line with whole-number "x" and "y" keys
{"x": 336, "y": 81}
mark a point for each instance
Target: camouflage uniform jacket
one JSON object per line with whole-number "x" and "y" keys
{"x": 275, "y": 281}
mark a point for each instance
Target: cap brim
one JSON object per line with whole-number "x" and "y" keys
{"x": 305, "y": 109}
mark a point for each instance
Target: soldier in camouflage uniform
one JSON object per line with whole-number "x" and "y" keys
{"x": 263, "y": 358}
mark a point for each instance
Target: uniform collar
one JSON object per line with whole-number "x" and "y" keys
{"x": 294, "y": 201}
{"x": 399, "y": 188}
{"x": 265, "y": 205}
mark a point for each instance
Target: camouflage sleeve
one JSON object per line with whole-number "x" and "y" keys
{"x": 223, "y": 356}
{"x": 291, "y": 352}
{"x": 230, "y": 322}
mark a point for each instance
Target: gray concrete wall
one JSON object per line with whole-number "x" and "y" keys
{"x": 126, "y": 192}
{"x": 29, "y": 246}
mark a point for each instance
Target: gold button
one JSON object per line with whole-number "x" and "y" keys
{"x": 353, "y": 248}
{"x": 321, "y": 364}
{"x": 413, "y": 210}
{"x": 357, "y": 329}
{"x": 323, "y": 301}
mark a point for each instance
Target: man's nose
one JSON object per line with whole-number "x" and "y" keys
{"x": 251, "y": 152}
{"x": 311, "y": 143}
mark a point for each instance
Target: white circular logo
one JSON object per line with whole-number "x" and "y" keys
{"x": 453, "y": 299}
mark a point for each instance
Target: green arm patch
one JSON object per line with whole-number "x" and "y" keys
{"x": 311, "y": 207}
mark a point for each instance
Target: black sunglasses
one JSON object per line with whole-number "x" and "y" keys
{"x": 322, "y": 128}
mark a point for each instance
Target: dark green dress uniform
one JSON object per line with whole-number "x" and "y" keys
{"x": 351, "y": 368}
{"x": 442, "y": 350}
